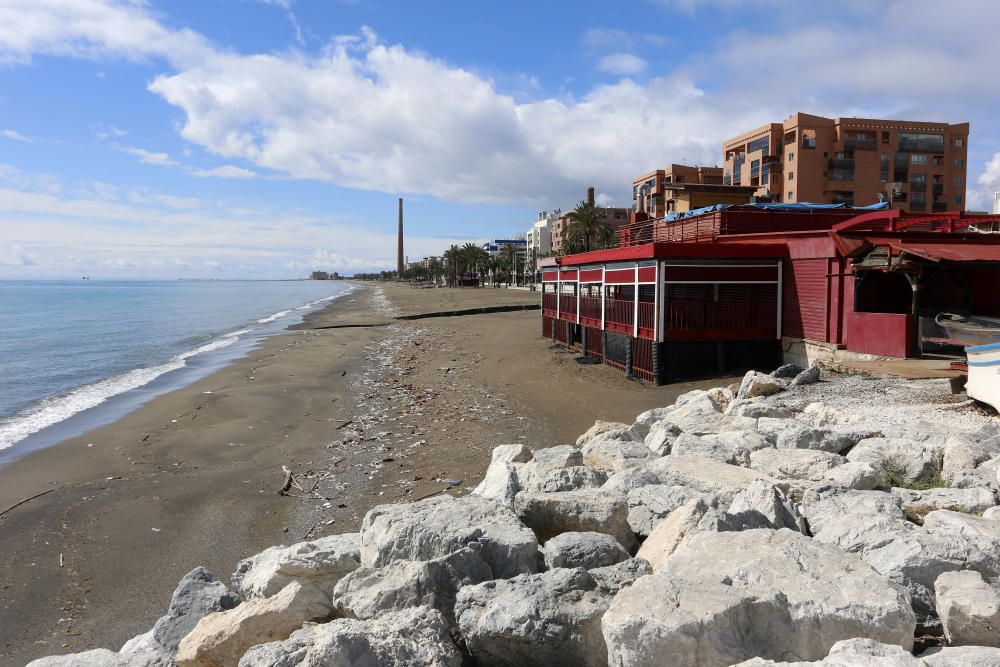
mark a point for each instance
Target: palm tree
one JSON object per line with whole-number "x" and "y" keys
{"x": 587, "y": 229}
{"x": 454, "y": 263}
{"x": 475, "y": 258}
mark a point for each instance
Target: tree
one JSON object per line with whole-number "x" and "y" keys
{"x": 587, "y": 230}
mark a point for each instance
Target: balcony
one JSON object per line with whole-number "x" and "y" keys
{"x": 937, "y": 189}
{"x": 921, "y": 143}
{"x": 855, "y": 144}
{"x": 842, "y": 163}
{"x": 842, "y": 175}
{"x": 918, "y": 186}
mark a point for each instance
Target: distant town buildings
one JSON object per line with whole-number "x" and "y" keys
{"x": 615, "y": 218}
{"x": 996, "y": 203}
{"x": 539, "y": 236}
{"x": 681, "y": 187}
{"x": 853, "y": 161}
{"x": 323, "y": 275}
{"x": 497, "y": 246}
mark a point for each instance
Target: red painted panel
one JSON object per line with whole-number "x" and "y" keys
{"x": 647, "y": 274}
{"x": 804, "y": 299}
{"x": 884, "y": 334}
{"x": 619, "y": 276}
{"x": 590, "y": 276}
{"x": 549, "y": 276}
{"x": 720, "y": 274}
{"x": 568, "y": 275}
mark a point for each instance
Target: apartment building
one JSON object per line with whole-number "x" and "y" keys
{"x": 855, "y": 161}
{"x": 652, "y": 192}
{"x": 615, "y": 218}
{"x": 539, "y": 236}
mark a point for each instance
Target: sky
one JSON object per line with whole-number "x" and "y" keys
{"x": 268, "y": 138}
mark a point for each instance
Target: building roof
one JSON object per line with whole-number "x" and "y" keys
{"x": 675, "y": 250}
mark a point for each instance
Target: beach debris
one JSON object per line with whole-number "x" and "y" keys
{"x": 22, "y": 502}
{"x": 287, "y": 484}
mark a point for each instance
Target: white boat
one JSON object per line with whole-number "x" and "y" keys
{"x": 984, "y": 374}
{"x": 969, "y": 330}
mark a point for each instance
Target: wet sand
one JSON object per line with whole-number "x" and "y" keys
{"x": 366, "y": 414}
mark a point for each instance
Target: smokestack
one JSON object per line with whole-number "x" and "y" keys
{"x": 590, "y": 196}
{"x": 399, "y": 243}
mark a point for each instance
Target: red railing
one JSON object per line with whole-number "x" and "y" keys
{"x": 567, "y": 307}
{"x": 647, "y": 318}
{"x": 595, "y": 343}
{"x": 695, "y": 320}
{"x": 590, "y": 309}
{"x": 549, "y": 302}
{"x": 642, "y": 359}
{"x": 619, "y": 315}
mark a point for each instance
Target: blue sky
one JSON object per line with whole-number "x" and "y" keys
{"x": 252, "y": 138}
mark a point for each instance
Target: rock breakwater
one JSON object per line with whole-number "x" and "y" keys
{"x": 786, "y": 520}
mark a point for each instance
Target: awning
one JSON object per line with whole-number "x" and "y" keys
{"x": 974, "y": 249}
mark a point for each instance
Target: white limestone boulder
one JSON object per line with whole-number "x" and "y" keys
{"x": 650, "y": 504}
{"x": 516, "y": 453}
{"x": 861, "y": 476}
{"x": 588, "y": 550}
{"x": 671, "y": 532}
{"x": 802, "y": 464}
{"x": 821, "y": 439}
{"x": 913, "y": 460}
{"x": 600, "y": 427}
{"x": 969, "y": 608}
{"x": 501, "y": 482}
{"x": 223, "y": 637}
{"x": 544, "y": 461}
{"x": 321, "y": 562}
{"x": 368, "y": 592}
{"x": 436, "y": 527}
{"x": 623, "y": 481}
{"x": 410, "y": 637}
{"x": 759, "y": 384}
{"x": 98, "y": 657}
{"x": 961, "y": 656}
{"x": 611, "y": 454}
{"x": 573, "y": 479}
{"x": 850, "y": 653}
{"x": 761, "y": 505}
{"x": 948, "y": 522}
{"x": 810, "y": 375}
{"x": 725, "y": 597}
{"x": 661, "y": 437}
{"x": 552, "y": 619}
{"x": 613, "y": 578}
{"x": 549, "y": 514}
{"x": 974, "y": 500}
{"x": 705, "y": 475}
{"x": 733, "y": 447}
{"x": 825, "y": 504}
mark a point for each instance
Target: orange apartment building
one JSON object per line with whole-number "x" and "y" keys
{"x": 615, "y": 218}
{"x": 853, "y": 160}
{"x": 651, "y": 192}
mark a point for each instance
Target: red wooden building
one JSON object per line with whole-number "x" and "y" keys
{"x": 741, "y": 286}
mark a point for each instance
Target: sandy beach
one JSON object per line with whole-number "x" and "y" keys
{"x": 363, "y": 408}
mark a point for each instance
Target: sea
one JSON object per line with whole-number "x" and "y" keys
{"x": 79, "y": 354}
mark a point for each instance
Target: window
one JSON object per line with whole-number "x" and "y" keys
{"x": 958, "y": 199}
{"x": 790, "y": 196}
{"x": 809, "y": 139}
{"x": 791, "y": 175}
{"x": 918, "y": 158}
{"x": 759, "y": 145}
{"x": 938, "y": 178}
{"x": 938, "y": 160}
{"x": 885, "y": 137}
{"x": 958, "y": 142}
{"x": 884, "y": 167}
{"x": 958, "y": 180}
{"x": 959, "y": 162}
{"x": 917, "y": 142}
{"x": 791, "y": 157}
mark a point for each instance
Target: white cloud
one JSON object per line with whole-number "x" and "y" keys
{"x": 149, "y": 157}
{"x": 15, "y": 256}
{"x": 15, "y": 136}
{"x": 92, "y": 29}
{"x": 621, "y": 63}
{"x": 225, "y": 171}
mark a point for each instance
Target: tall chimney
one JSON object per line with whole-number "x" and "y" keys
{"x": 590, "y": 196}
{"x": 400, "y": 267}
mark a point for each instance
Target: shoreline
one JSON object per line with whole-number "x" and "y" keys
{"x": 190, "y": 478}
{"x": 196, "y": 364}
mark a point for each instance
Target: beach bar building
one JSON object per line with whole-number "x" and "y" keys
{"x": 731, "y": 287}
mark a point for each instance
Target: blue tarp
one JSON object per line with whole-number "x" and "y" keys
{"x": 802, "y": 207}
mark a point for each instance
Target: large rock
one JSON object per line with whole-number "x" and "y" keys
{"x": 964, "y": 452}
{"x": 759, "y": 384}
{"x": 573, "y": 479}
{"x": 961, "y": 656}
{"x": 511, "y": 454}
{"x": 733, "y": 447}
{"x": 661, "y": 437}
{"x": 549, "y": 514}
{"x": 862, "y": 476}
{"x": 912, "y": 460}
{"x": 410, "y": 637}
{"x": 669, "y": 533}
{"x": 948, "y": 522}
{"x": 198, "y": 594}
{"x": 825, "y": 504}
{"x": 586, "y": 550}
{"x": 706, "y": 475}
{"x": 810, "y": 375}
{"x": 501, "y": 483}
{"x": 553, "y": 619}
{"x": 600, "y": 427}
{"x": 436, "y": 527}
{"x": 368, "y": 592}
{"x": 962, "y": 500}
{"x": 322, "y": 562}
{"x": 650, "y": 504}
{"x": 803, "y": 464}
{"x": 969, "y": 608}
{"x": 761, "y": 505}
{"x": 623, "y": 481}
{"x": 613, "y": 578}
{"x": 610, "y": 453}
{"x": 546, "y": 460}
{"x": 821, "y": 439}
{"x": 726, "y": 597}
{"x": 850, "y": 653}
{"x": 98, "y": 657}
{"x": 223, "y": 637}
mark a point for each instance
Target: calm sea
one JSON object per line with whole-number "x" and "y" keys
{"x": 78, "y": 354}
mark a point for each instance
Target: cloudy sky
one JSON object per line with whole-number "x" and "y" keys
{"x": 266, "y": 138}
